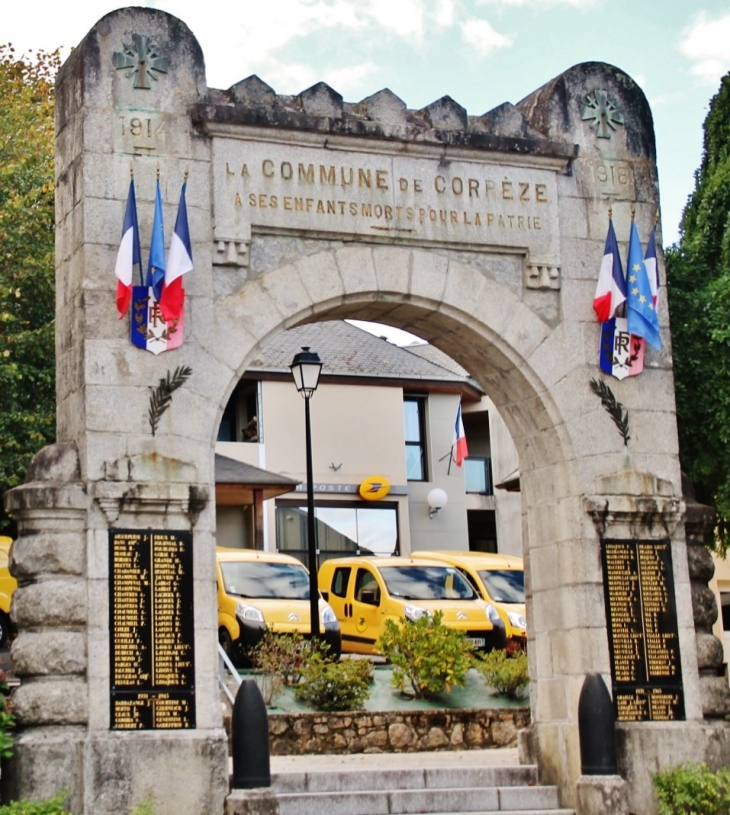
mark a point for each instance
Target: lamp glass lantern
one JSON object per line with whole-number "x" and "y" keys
{"x": 437, "y": 500}
{"x": 305, "y": 369}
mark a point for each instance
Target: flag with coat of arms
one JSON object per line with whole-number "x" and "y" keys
{"x": 634, "y": 322}
{"x": 621, "y": 354}
{"x": 157, "y": 323}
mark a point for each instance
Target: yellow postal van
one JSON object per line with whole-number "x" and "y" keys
{"x": 259, "y": 590}
{"x": 8, "y": 584}
{"x": 364, "y": 592}
{"x": 499, "y": 579}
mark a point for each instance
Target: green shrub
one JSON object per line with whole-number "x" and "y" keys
{"x": 7, "y": 720}
{"x": 57, "y": 806}
{"x": 278, "y": 659}
{"x": 54, "y": 806}
{"x": 506, "y": 673}
{"x": 425, "y": 654}
{"x": 328, "y": 685}
{"x": 693, "y": 789}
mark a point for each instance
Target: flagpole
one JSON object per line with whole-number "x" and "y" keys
{"x": 139, "y": 265}
{"x": 621, "y": 310}
{"x": 450, "y": 454}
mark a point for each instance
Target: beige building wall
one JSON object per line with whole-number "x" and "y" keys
{"x": 359, "y": 430}
{"x": 448, "y": 529}
{"x": 357, "y": 427}
{"x": 508, "y": 505}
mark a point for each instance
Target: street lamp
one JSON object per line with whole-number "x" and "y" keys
{"x": 305, "y": 369}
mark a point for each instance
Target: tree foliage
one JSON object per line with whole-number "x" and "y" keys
{"x": 27, "y": 364}
{"x": 698, "y": 275}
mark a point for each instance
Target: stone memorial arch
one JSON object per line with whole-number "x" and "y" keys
{"x": 482, "y": 234}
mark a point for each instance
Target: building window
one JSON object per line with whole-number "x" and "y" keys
{"x": 343, "y": 529}
{"x": 241, "y": 418}
{"x": 227, "y": 427}
{"x": 478, "y": 475}
{"x": 414, "y": 421}
{"x": 725, "y": 609}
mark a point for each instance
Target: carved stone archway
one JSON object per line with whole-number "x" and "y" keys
{"x": 482, "y": 234}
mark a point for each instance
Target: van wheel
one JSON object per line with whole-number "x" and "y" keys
{"x": 224, "y": 638}
{"x": 4, "y": 629}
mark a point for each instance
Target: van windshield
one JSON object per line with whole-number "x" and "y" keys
{"x": 504, "y": 586}
{"x": 261, "y": 580}
{"x": 426, "y": 583}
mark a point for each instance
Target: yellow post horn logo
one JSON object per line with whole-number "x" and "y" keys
{"x": 374, "y": 488}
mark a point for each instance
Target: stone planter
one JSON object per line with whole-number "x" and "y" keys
{"x": 394, "y": 731}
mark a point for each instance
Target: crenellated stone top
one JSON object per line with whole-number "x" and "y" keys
{"x": 381, "y": 116}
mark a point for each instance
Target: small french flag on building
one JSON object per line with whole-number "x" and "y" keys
{"x": 459, "y": 448}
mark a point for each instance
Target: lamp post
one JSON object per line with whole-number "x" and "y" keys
{"x": 305, "y": 369}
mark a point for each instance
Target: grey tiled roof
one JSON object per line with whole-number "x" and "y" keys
{"x": 230, "y": 471}
{"x": 433, "y": 354}
{"x": 347, "y": 350}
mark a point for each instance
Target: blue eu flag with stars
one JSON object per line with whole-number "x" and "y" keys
{"x": 643, "y": 320}
{"x": 156, "y": 266}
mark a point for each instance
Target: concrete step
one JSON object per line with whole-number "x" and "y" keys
{"x": 481, "y": 782}
{"x": 410, "y": 802}
{"x": 351, "y": 780}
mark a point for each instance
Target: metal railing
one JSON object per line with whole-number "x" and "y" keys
{"x": 226, "y": 667}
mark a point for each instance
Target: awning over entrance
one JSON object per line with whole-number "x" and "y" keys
{"x": 238, "y": 484}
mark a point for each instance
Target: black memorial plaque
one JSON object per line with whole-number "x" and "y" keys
{"x": 642, "y": 630}
{"x": 151, "y": 629}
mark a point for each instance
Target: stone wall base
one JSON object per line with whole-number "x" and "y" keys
{"x": 108, "y": 773}
{"x": 601, "y": 794}
{"x": 45, "y": 762}
{"x": 252, "y": 802}
{"x": 395, "y": 731}
{"x": 645, "y": 748}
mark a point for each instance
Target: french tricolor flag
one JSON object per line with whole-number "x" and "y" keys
{"x": 650, "y": 263}
{"x": 459, "y": 446}
{"x": 129, "y": 253}
{"x": 179, "y": 261}
{"x": 611, "y": 288}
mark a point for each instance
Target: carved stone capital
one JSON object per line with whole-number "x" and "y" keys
{"x": 630, "y": 516}
{"x": 231, "y": 252}
{"x": 161, "y": 500}
{"x": 629, "y": 505}
{"x": 542, "y": 276}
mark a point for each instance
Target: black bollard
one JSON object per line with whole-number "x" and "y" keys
{"x": 596, "y": 728}
{"x": 250, "y": 739}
